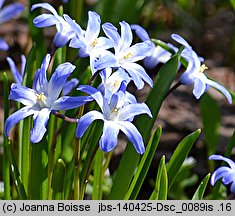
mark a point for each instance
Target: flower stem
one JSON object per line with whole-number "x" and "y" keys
{"x": 65, "y": 118}
{"x": 173, "y": 88}
{"x": 76, "y": 169}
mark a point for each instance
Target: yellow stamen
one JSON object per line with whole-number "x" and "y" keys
{"x": 41, "y": 97}
{"x": 129, "y": 55}
{"x": 116, "y": 83}
{"x": 203, "y": 68}
{"x": 95, "y": 42}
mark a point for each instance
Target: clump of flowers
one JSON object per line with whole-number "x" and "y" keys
{"x": 116, "y": 65}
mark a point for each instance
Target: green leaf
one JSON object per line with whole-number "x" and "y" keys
{"x": 58, "y": 180}
{"x": 180, "y": 155}
{"x": 161, "y": 185}
{"x": 211, "y": 118}
{"x": 144, "y": 165}
{"x": 98, "y": 175}
{"x": 38, "y": 186}
{"x": 6, "y": 165}
{"x": 91, "y": 151}
{"x": 233, "y": 4}
{"x": 125, "y": 171}
{"x": 15, "y": 173}
{"x": 201, "y": 188}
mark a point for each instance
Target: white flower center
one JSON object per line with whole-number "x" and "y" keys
{"x": 41, "y": 99}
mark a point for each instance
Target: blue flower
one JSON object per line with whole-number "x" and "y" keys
{"x": 194, "y": 72}
{"x": 116, "y": 116}
{"x": 7, "y": 13}
{"x": 158, "y": 54}
{"x": 88, "y": 42}
{"x": 69, "y": 85}
{"x": 43, "y": 99}
{"x": 126, "y": 55}
{"x": 64, "y": 31}
{"x": 14, "y": 70}
{"x": 111, "y": 82}
{"x": 226, "y": 173}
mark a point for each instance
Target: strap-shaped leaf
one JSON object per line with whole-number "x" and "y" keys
{"x": 201, "y": 188}
{"x": 6, "y": 165}
{"x": 179, "y": 155}
{"x": 144, "y": 165}
{"x": 15, "y": 173}
{"x": 161, "y": 185}
{"x": 58, "y": 180}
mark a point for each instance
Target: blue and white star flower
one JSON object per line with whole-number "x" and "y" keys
{"x": 64, "y": 31}
{"x": 227, "y": 174}
{"x": 194, "y": 72}
{"x": 43, "y": 99}
{"x": 126, "y": 55}
{"x": 7, "y": 13}
{"x": 116, "y": 115}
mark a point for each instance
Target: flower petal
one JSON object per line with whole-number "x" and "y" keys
{"x": 232, "y": 188}
{"x": 132, "y": 110}
{"x": 23, "y": 64}
{"x": 227, "y": 160}
{"x": 22, "y": 94}
{"x": 40, "y": 82}
{"x": 14, "y": 70}
{"x": 67, "y": 102}
{"x": 40, "y": 123}
{"x": 181, "y": 40}
{"x": 76, "y": 28}
{"x": 1, "y": 3}
{"x": 14, "y": 118}
{"x": 111, "y": 32}
{"x": 141, "y": 32}
{"x": 221, "y": 88}
{"x": 93, "y": 92}
{"x": 85, "y": 121}
{"x": 133, "y": 135}
{"x": 3, "y": 45}
{"x": 109, "y": 137}
{"x": 45, "y": 20}
{"x": 229, "y": 177}
{"x": 59, "y": 78}
{"x": 219, "y": 173}
{"x": 199, "y": 88}
{"x": 69, "y": 85}
{"x": 93, "y": 26}
{"x": 10, "y": 11}
{"x": 135, "y": 71}
{"x": 126, "y": 36}
{"x": 45, "y": 6}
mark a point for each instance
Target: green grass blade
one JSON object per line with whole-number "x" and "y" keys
{"x": 98, "y": 175}
{"x": 211, "y": 117}
{"x": 161, "y": 86}
{"x": 156, "y": 191}
{"x": 93, "y": 146}
{"x": 144, "y": 165}
{"x": 38, "y": 171}
{"x": 163, "y": 184}
{"x": 6, "y": 165}
{"x": 15, "y": 173}
{"x": 58, "y": 180}
{"x": 180, "y": 155}
{"x": 198, "y": 195}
